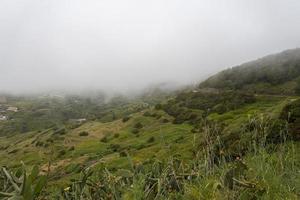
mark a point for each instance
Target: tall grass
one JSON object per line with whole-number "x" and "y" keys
{"x": 268, "y": 170}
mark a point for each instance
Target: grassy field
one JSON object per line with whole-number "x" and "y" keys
{"x": 62, "y": 153}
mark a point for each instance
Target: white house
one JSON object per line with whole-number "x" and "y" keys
{"x": 3, "y": 118}
{"x": 12, "y": 109}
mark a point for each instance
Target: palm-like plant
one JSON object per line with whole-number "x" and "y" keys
{"x": 20, "y": 185}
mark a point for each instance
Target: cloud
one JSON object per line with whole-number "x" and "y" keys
{"x": 116, "y": 45}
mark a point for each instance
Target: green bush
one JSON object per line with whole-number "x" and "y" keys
{"x": 60, "y": 131}
{"x": 147, "y": 114}
{"x": 104, "y": 139}
{"x": 61, "y": 153}
{"x": 83, "y": 133}
{"x": 151, "y": 140}
{"x": 125, "y": 119}
{"x": 138, "y": 125}
{"x": 115, "y": 147}
{"x": 72, "y": 148}
{"x": 165, "y": 120}
{"x": 123, "y": 154}
{"x": 158, "y": 106}
{"x": 135, "y": 131}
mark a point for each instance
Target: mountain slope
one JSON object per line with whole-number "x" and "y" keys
{"x": 216, "y": 142}
{"x": 271, "y": 74}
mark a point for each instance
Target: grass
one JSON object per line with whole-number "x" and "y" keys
{"x": 274, "y": 173}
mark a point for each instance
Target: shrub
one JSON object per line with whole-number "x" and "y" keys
{"x": 60, "y": 131}
{"x": 72, "y": 148}
{"x": 61, "y": 153}
{"x": 179, "y": 139}
{"x": 138, "y": 125}
{"x": 13, "y": 151}
{"x": 165, "y": 120}
{"x": 46, "y": 145}
{"x": 49, "y": 140}
{"x": 158, "y": 106}
{"x": 157, "y": 116}
{"x": 83, "y": 133}
{"x": 123, "y": 154}
{"x": 151, "y": 140}
{"x": 147, "y": 114}
{"x": 141, "y": 146}
{"x": 104, "y": 139}
{"x": 135, "y": 131}
{"x": 115, "y": 147}
{"x": 39, "y": 144}
{"x": 125, "y": 119}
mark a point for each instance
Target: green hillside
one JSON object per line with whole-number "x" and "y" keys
{"x": 274, "y": 74}
{"x": 229, "y": 139}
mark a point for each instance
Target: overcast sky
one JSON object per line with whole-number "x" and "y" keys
{"x": 122, "y": 45}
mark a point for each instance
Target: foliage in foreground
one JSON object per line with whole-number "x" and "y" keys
{"x": 259, "y": 176}
{"x": 269, "y": 170}
{"x": 19, "y": 185}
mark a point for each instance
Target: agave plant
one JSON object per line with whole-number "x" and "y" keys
{"x": 20, "y": 185}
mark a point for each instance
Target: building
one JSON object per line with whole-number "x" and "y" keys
{"x": 80, "y": 121}
{"x": 12, "y": 109}
{"x": 3, "y": 118}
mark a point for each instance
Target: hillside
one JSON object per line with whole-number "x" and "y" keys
{"x": 274, "y": 74}
{"x": 228, "y": 139}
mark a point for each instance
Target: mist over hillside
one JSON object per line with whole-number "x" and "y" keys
{"x": 277, "y": 73}
{"x": 127, "y": 46}
{"x": 149, "y": 100}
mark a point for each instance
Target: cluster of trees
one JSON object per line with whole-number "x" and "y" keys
{"x": 193, "y": 106}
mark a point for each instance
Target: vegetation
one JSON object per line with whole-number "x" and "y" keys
{"x": 271, "y": 74}
{"x": 221, "y": 142}
{"x": 83, "y": 133}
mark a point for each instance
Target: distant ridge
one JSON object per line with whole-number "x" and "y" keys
{"x": 280, "y": 70}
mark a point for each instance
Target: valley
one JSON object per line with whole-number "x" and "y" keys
{"x": 208, "y": 142}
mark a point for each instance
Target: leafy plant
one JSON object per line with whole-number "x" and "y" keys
{"x": 20, "y": 185}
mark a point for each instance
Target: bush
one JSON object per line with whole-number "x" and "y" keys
{"x": 123, "y": 154}
{"x": 158, "y": 106}
{"x": 104, "y": 139}
{"x": 165, "y": 120}
{"x": 39, "y": 144}
{"x": 115, "y": 147}
{"x": 61, "y": 153}
{"x": 125, "y": 119}
{"x": 179, "y": 139}
{"x": 135, "y": 131}
{"x": 151, "y": 140}
{"x": 49, "y": 140}
{"x": 13, "y": 151}
{"x": 138, "y": 125}
{"x": 157, "y": 116}
{"x": 72, "y": 148}
{"x": 46, "y": 145}
{"x": 141, "y": 146}
{"x": 147, "y": 114}
{"x": 60, "y": 131}
{"x": 83, "y": 133}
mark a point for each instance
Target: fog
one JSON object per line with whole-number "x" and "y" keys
{"x": 121, "y": 46}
